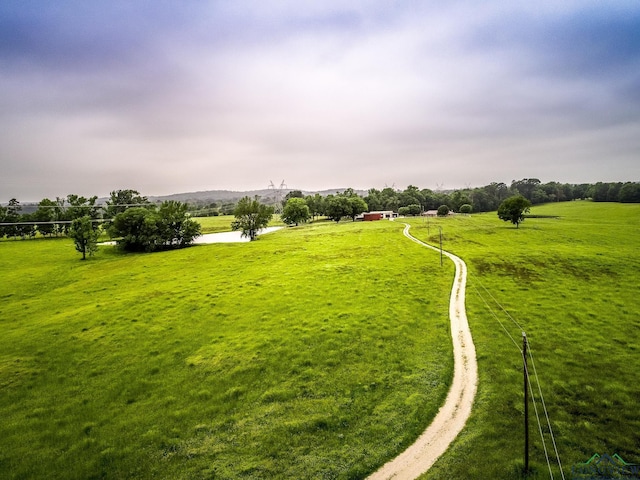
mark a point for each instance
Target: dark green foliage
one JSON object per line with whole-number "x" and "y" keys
{"x": 295, "y": 211}
{"x": 174, "y": 225}
{"x": 513, "y": 209}
{"x": 337, "y": 207}
{"x": 345, "y": 204}
{"x": 251, "y": 216}
{"x": 136, "y": 228}
{"x": 443, "y": 210}
{"x": 412, "y": 209}
{"x": 146, "y": 229}
{"x": 629, "y": 193}
{"x": 84, "y": 235}
{"x": 466, "y": 208}
{"x": 316, "y": 204}
{"x": 120, "y": 200}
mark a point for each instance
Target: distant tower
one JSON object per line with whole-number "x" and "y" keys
{"x": 277, "y": 195}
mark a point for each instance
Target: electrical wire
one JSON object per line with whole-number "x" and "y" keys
{"x": 535, "y": 409}
{"x": 498, "y": 320}
{"x": 546, "y": 413}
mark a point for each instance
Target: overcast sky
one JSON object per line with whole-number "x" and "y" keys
{"x": 174, "y": 96}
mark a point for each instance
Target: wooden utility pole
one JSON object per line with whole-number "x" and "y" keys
{"x": 440, "y": 245}
{"x": 526, "y": 403}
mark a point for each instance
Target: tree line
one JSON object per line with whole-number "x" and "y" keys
{"x": 413, "y": 200}
{"x": 135, "y": 222}
{"x": 54, "y": 217}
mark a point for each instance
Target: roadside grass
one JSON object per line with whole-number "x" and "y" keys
{"x": 315, "y": 352}
{"x": 572, "y": 283}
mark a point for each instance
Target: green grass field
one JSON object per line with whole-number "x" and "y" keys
{"x": 314, "y": 352}
{"x": 573, "y": 284}
{"x": 223, "y": 223}
{"x": 319, "y": 351}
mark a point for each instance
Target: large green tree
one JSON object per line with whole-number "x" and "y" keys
{"x": 296, "y": 211}
{"x": 513, "y": 209}
{"x": 120, "y": 200}
{"x": 84, "y": 235}
{"x": 146, "y": 229}
{"x": 175, "y": 227}
{"x": 345, "y": 204}
{"x": 251, "y": 216}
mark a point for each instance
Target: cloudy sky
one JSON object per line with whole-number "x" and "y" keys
{"x": 173, "y": 96}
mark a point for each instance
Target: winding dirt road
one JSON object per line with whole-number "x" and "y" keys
{"x": 452, "y": 416}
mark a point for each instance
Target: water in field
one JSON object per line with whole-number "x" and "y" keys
{"x": 229, "y": 237}
{"x": 222, "y": 237}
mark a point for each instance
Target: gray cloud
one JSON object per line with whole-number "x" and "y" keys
{"x": 168, "y": 96}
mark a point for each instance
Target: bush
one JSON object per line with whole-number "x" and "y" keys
{"x": 443, "y": 211}
{"x": 466, "y": 208}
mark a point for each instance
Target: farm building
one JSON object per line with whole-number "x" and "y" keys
{"x": 372, "y": 216}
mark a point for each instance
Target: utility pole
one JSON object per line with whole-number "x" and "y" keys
{"x": 526, "y": 403}
{"x": 440, "y": 245}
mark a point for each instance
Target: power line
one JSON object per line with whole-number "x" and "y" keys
{"x": 546, "y": 413}
{"x": 503, "y": 309}
{"x": 535, "y": 408}
{"x": 530, "y": 353}
{"x": 498, "y": 320}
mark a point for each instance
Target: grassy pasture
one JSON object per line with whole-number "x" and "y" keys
{"x": 222, "y": 223}
{"x": 573, "y": 284}
{"x": 314, "y": 352}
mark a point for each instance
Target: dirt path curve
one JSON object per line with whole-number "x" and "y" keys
{"x": 452, "y": 416}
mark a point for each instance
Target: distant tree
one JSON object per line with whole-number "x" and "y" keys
{"x": 457, "y": 199}
{"x": 251, "y": 216}
{"x": 295, "y": 211}
{"x": 136, "y": 229}
{"x": 525, "y": 187}
{"x": 389, "y": 199}
{"x": 147, "y": 229}
{"x": 12, "y": 215}
{"x": 357, "y": 206}
{"x": 84, "y": 236}
{"x": 443, "y": 210}
{"x": 292, "y": 194}
{"x": 513, "y": 209}
{"x": 120, "y": 200}
{"x": 410, "y": 196}
{"x": 630, "y": 193}
{"x": 175, "y": 227}
{"x": 48, "y": 211}
{"x": 374, "y": 199}
{"x": 466, "y": 208}
{"x": 316, "y": 204}
{"x": 80, "y": 206}
{"x": 337, "y": 207}
{"x": 3, "y": 219}
{"x": 25, "y": 227}
{"x": 412, "y": 209}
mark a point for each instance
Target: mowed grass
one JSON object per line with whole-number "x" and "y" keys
{"x": 573, "y": 284}
{"x": 314, "y": 352}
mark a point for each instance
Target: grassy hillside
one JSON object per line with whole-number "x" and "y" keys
{"x": 572, "y": 283}
{"x": 314, "y": 352}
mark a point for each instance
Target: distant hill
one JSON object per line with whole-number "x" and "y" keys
{"x": 232, "y": 195}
